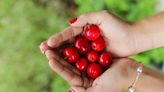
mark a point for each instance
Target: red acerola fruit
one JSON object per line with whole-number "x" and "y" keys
{"x": 82, "y": 64}
{"x": 92, "y": 32}
{"x": 82, "y": 45}
{"x": 92, "y": 56}
{"x": 105, "y": 59}
{"x": 99, "y": 44}
{"x": 94, "y": 70}
{"x": 71, "y": 54}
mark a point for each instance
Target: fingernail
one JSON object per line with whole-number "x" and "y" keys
{"x": 49, "y": 62}
{"x": 73, "y": 21}
{"x": 40, "y": 48}
{"x": 44, "y": 48}
{"x": 71, "y": 90}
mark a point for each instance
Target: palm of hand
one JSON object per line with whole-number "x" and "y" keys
{"x": 118, "y": 37}
{"x": 116, "y": 79}
{"x": 64, "y": 69}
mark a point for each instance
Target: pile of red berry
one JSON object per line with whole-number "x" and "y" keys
{"x": 88, "y": 52}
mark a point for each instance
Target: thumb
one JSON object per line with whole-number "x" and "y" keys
{"x": 77, "y": 89}
{"x": 89, "y": 18}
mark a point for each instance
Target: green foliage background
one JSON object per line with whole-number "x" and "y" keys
{"x": 25, "y": 23}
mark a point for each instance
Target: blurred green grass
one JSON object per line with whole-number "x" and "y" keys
{"x": 25, "y": 23}
{"x": 23, "y": 26}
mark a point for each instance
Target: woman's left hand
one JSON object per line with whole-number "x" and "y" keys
{"x": 121, "y": 75}
{"x": 116, "y": 79}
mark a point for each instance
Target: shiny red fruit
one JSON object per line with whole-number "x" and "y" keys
{"x": 92, "y": 32}
{"x": 71, "y": 54}
{"x": 105, "y": 59}
{"x": 94, "y": 70}
{"x": 98, "y": 44}
{"x": 81, "y": 64}
{"x": 82, "y": 45}
{"x": 92, "y": 56}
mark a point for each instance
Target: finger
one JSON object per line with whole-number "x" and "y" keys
{"x": 43, "y": 47}
{"x": 51, "y": 55}
{"x": 116, "y": 61}
{"x": 63, "y": 71}
{"x": 91, "y": 89}
{"x": 87, "y": 82}
{"x": 94, "y": 89}
{"x": 77, "y": 89}
{"x": 89, "y": 18}
{"x": 60, "y": 37}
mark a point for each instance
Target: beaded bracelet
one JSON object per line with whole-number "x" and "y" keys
{"x": 139, "y": 71}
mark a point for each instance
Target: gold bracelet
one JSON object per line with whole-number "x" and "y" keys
{"x": 139, "y": 71}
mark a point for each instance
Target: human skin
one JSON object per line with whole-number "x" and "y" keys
{"x": 123, "y": 39}
{"x": 121, "y": 75}
{"x": 148, "y": 33}
{"x": 116, "y": 79}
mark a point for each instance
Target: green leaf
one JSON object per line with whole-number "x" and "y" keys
{"x": 142, "y": 59}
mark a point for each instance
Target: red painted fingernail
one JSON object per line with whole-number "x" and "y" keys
{"x": 71, "y": 90}
{"x": 73, "y": 21}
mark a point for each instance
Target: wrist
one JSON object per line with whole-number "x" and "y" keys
{"x": 150, "y": 81}
{"x": 141, "y": 37}
{"x": 130, "y": 72}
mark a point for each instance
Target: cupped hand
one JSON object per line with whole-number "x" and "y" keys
{"x": 116, "y": 79}
{"x": 117, "y": 33}
{"x": 59, "y": 65}
{"x": 67, "y": 71}
{"x": 121, "y": 75}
